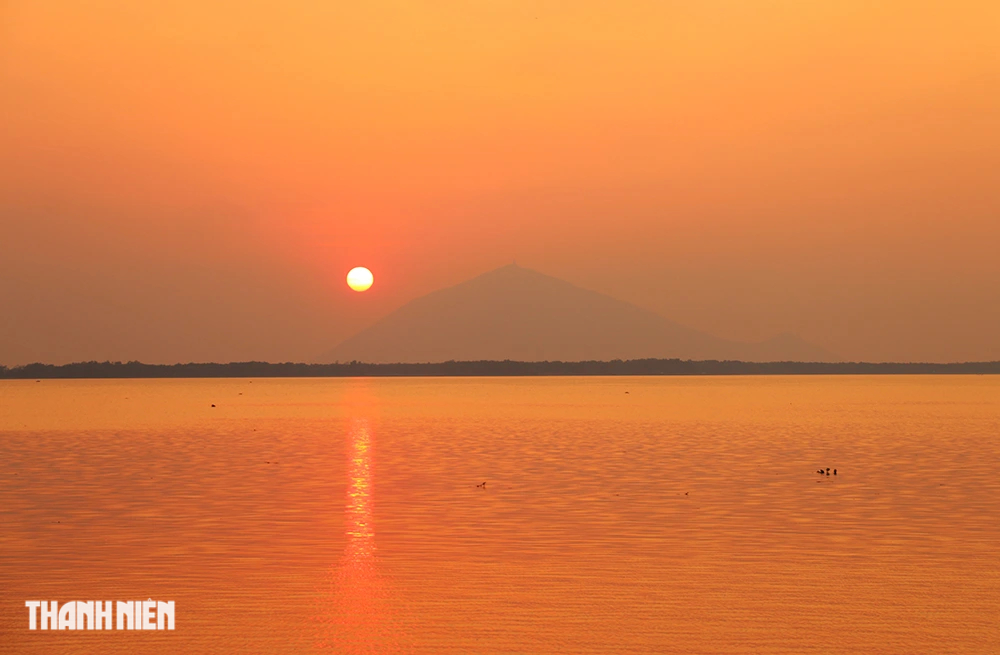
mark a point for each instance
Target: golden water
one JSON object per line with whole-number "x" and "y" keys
{"x": 620, "y": 515}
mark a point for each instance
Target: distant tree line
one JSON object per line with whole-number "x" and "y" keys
{"x": 484, "y": 368}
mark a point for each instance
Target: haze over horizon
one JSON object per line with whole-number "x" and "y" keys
{"x": 181, "y": 182}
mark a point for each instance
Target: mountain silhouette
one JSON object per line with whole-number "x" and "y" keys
{"x": 519, "y": 314}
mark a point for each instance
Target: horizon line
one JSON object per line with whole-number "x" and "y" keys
{"x": 485, "y": 368}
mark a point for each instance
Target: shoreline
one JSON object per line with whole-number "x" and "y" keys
{"x": 486, "y": 368}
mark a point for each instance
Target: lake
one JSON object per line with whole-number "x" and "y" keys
{"x": 618, "y": 515}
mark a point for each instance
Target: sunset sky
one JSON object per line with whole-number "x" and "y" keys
{"x": 192, "y": 180}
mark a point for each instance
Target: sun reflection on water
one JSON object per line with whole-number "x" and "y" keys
{"x": 358, "y": 617}
{"x": 360, "y": 531}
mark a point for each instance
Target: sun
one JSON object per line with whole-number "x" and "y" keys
{"x": 360, "y": 278}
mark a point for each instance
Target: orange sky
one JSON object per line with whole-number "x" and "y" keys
{"x": 191, "y": 181}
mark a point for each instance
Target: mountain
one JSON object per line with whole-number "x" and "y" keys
{"x": 519, "y": 314}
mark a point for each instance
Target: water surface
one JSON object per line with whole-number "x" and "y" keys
{"x": 619, "y": 515}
